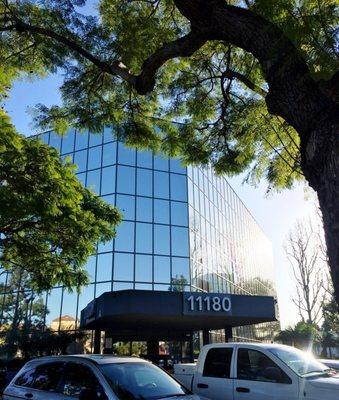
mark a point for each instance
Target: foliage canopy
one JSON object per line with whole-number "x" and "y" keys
{"x": 217, "y": 96}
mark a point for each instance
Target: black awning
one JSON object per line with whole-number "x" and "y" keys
{"x": 138, "y": 314}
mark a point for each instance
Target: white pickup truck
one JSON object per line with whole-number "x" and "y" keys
{"x": 246, "y": 371}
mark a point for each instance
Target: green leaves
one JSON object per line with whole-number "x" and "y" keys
{"x": 49, "y": 223}
{"x": 218, "y": 93}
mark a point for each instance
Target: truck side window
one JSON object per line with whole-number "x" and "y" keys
{"x": 254, "y": 365}
{"x": 218, "y": 362}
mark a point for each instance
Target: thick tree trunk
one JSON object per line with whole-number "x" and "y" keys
{"x": 320, "y": 164}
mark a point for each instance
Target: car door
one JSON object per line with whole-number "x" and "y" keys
{"x": 258, "y": 377}
{"x": 214, "y": 380}
{"x": 79, "y": 376}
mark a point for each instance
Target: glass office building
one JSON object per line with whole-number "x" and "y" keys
{"x": 183, "y": 229}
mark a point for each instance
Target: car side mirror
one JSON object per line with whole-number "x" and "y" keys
{"x": 91, "y": 394}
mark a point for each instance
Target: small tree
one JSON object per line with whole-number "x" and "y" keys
{"x": 304, "y": 251}
{"x": 302, "y": 336}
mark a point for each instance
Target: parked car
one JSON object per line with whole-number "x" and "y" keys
{"x": 93, "y": 377}
{"x": 334, "y": 364}
{"x": 241, "y": 371}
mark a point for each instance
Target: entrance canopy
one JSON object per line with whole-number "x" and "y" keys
{"x": 140, "y": 314}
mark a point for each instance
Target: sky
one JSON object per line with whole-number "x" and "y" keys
{"x": 275, "y": 214}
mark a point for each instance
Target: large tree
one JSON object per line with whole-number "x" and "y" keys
{"x": 253, "y": 83}
{"x": 49, "y": 223}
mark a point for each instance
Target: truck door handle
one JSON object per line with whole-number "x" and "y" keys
{"x": 28, "y": 395}
{"x": 202, "y": 385}
{"x": 242, "y": 390}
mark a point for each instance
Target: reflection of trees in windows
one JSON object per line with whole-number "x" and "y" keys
{"x": 21, "y": 310}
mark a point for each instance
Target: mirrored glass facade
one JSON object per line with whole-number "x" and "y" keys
{"x": 183, "y": 229}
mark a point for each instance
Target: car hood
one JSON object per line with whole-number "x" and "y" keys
{"x": 325, "y": 382}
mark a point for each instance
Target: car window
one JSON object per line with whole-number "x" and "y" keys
{"x": 48, "y": 377}
{"x": 77, "y": 377}
{"x": 256, "y": 366}
{"x": 218, "y": 363}
{"x": 25, "y": 379}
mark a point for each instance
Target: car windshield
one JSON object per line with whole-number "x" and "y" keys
{"x": 142, "y": 381}
{"x": 301, "y": 362}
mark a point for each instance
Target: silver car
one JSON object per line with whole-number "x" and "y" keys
{"x": 93, "y": 377}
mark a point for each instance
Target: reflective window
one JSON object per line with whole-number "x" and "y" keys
{"x": 161, "y": 186}
{"x": 161, "y": 211}
{"x": 109, "y": 199}
{"x": 181, "y": 268}
{"x": 104, "y": 267}
{"x": 126, "y": 180}
{"x": 44, "y": 137}
{"x": 108, "y": 180}
{"x": 126, "y": 155}
{"x": 81, "y": 140}
{"x": 94, "y": 158}
{"x": 176, "y": 166}
{"x": 80, "y": 159}
{"x": 101, "y": 288}
{"x": 143, "y": 286}
{"x": 179, "y": 241}
{"x": 82, "y": 178}
{"x": 144, "y": 159}
{"x": 123, "y": 267}
{"x": 144, "y": 209}
{"x": 55, "y": 140}
{"x": 161, "y": 239}
{"x": 178, "y": 187}
{"x": 143, "y": 268}
{"x": 93, "y": 180}
{"x": 95, "y": 139}
{"x": 162, "y": 269}
{"x": 86, "y": 295}
{"x": 124, "y": 240}
{"x": 122, "y": 285}
{"x": 143, "y": 238}
{"x": 69, "y": 309}
{"x": 108, "y": 134}
{"x": 54, "y": 307}
{"x": 109, "y": 154}
{"x": 90, "y": 267}
{"x": 179, "y": 215}
{"x": 161, "y": 163}
{"x": 144, "y": 182}
{"x": 104, "y": 247}
{"x": 68, "y": 141}
{"x": 126, "y": 205}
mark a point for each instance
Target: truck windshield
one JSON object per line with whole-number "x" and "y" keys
{"x": 300, "y": 362}
{"x": 141, "y": 381}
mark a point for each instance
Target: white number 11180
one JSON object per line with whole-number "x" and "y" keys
{"x": 209, "y": 303}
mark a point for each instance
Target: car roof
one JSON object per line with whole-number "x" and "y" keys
{"x": 94, "y": 358}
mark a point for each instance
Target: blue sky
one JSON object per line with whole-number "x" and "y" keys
{"x": 276, "y": 214}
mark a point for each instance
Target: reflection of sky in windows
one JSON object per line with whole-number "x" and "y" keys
{"x": 126, "y": 180}
{"x": 144, "y": 209}
{"x": 123, "y": 267}
{"x": 124, "y": 240}
{"x": 143, "y": 268}
{"x": 81, "y": 140}
{"x": 162, "y": 269}
{"x": 161, "y": 239}
{"x": 143, "y": 238}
